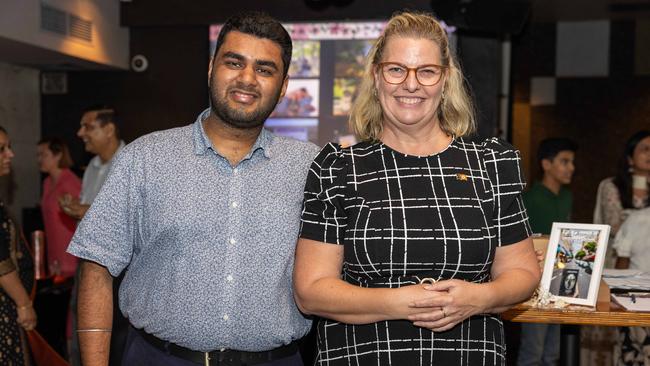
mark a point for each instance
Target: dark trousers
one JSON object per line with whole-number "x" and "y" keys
{"x": 138, "y": 352}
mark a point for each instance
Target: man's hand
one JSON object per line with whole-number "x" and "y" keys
{"x": 72, "y": 207}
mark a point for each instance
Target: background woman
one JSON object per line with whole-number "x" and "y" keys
{"x": 631, "y": 244}
{"x": 616, "y": 199}
{"x": 628, "y": 190}
{"x": 426, "y": 226}
{"x": 54, "y": 159}
{"x": 16, "y": 279}
{"x": 632, "y": 346}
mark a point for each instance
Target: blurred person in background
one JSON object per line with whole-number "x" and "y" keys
{"x": 16, "y": 279}
{"x": 547, "y": 201}
{"x": 99, "y": 130}
{"x": 632, "y": 247}
{"x": 626, "y": 192}
{"x": 633, "y": 251}
{"x": 54, "y": 160}
{"x": 100, "y": 133}
{"x": 617, "y": 198}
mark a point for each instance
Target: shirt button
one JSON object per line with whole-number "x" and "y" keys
{"x": 235, "y": 204}
{"x": 235, "y": 170}
{"x": 229, "y": 278}
{"x": 232, "y": 241}
{"x": 226, "y": 317}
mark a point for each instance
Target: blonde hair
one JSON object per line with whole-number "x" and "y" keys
{"x": 456, "y": 110}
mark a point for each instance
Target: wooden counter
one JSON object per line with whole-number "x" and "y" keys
{"x": 605, "y": 313}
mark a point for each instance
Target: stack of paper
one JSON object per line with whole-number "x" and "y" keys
{"x": 633, "y": 301}
{"x": 627, "y": 279}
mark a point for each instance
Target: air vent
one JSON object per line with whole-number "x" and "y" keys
{"x": 53, "y": 19}
{"x": 66, "y": 24}
{"x": 80, "y": 28}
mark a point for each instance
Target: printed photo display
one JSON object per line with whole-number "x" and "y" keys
{"x": 574, "y": 262}
{"x": 328, "y": 60}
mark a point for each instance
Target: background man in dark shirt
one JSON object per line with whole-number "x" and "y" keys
{"x": 547, "y": 201}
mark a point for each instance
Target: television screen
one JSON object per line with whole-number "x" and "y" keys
{"x": 327, "y": 64}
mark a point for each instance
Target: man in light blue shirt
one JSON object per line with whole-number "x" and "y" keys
{"x": 204, "y": 219}
{"x": 99, "y": 129}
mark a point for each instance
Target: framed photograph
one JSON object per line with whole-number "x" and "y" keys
{"x": 304, "y": 129}
{"x": 305, "y": 59}
{"x": 350, "y": 58}
{"x": 344, "y": 93}
{"x": 574, "y": 262}
{"x": 300, "y": 100}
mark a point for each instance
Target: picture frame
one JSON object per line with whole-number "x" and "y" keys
{"x": 574, "y": 262}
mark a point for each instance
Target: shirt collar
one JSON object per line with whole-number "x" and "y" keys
{"x": 202, "y": 143}
{"x": 97, "y": 161}
{"x": 539, "y": 185}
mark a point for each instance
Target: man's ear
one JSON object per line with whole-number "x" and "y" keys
{"x": 546, "y": 164}
{"x": 210, "y": 66}
{"x": 110, "y": 129}
{"x": 285, "y": 83}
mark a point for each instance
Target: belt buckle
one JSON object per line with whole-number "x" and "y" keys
{"x": 207, "y": 358}
{"x": 223, "y": 357}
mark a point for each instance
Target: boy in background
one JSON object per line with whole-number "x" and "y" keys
{"x": 547, "y": 201}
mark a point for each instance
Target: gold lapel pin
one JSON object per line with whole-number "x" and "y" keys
{"x": 461, "y": 177}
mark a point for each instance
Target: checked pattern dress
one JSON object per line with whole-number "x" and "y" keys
{"x": 402, "y": 218}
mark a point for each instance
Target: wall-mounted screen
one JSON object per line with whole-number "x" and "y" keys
{"x": 325, "y": 71}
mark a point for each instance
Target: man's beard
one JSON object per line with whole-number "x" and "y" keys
{"x": 238, "y": 118}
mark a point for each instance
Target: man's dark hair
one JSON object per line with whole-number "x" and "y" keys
{"x": 260, "y": 25}
{"x": 549, "y": 148}
{"x": 106, "y": 114}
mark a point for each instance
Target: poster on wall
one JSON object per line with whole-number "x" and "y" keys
{"x": 351, "y": 58}
{"x": 344, "y": 93}
{"x": 305, "y": 59}
{"x": 300, "y": 100}
{"x": 327, "y": 64}
{"x": 304, "y": 129}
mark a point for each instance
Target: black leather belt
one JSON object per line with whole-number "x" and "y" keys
{"x": 220, "y": 358}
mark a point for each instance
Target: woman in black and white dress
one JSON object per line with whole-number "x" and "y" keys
{"x": 415, "y": 237}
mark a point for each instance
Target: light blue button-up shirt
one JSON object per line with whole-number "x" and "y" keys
{"x": 208, "y": 248}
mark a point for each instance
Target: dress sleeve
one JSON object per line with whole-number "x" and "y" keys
{"x": 109, "y": 230}
{"x": 612, "y": 208}
{"x": 624, "y": 239}
{"x": 6, "y": 263}
{"x": 509, "y": 219}
{"x": 323, "y": 215}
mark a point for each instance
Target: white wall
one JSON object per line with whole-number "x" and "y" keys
{"x": 20, "y": 21}
{"x": 20, "y": 115}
